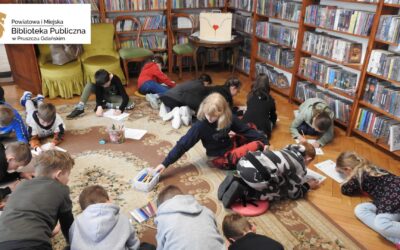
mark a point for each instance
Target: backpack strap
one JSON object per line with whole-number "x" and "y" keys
{"x": 260, "y": 168}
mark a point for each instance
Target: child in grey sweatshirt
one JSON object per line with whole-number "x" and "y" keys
{"x": 182, "y": 223}
{"x": 100, "y": 225}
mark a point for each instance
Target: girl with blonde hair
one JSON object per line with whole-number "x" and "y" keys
{"x": 215, "y": 121}
{"x": 383, "y": 213}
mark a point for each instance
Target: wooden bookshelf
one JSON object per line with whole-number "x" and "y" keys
{"x": 283, "y": 91}
{"x": 263, "y": 60}
{"x": 337, "y": 31}
{"x": 278, "y": 18}
{"x": 273, "y": 41}
{"x": 383, "y": 78}
{"x": 376, "y": 142}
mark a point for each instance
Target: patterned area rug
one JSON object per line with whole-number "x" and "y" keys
{"x": 296, "y": 224}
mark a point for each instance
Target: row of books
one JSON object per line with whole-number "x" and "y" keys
{"x": 385, "y": 63}
{"x": 380, "y": 127}
{"x": 340, "y": 106}
{"x": 246, "y": 47}
{"x": 331, "y": 74}
{"x": 383, "y": 95}
{"x": 335, "y": 48}
{"x": 388, "y": 29}
{"x": 243, "y": 63}
{"x": 93, "y": 3}
{"x": 148, "y": 42}
{"x": 335, "y": 18}
{"x": 278, "y": 33}
{"x": 176, "y": 4}
{"x": 242, "y": 23}
{"x": 147, "y": 23}
{"x": 276, "y": 54}
{"x": 276, "y": 79}
{"x": 246, "y": 5}
{"x": 116, "y": 5}
{"x": 280, "y": 9}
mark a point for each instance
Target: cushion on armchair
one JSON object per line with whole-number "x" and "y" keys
{"x": 131, "y": 53}
{"x": 183, "y": 49}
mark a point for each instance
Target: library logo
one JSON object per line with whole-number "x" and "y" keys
{"x": 2, "y": 19}
{"x": 45, "y": 23}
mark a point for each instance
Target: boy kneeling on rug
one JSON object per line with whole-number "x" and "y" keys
{"x": 182, "y": 223}
{"x": 30, "y": 217}
{"x": 270, "y": 175}
{"x": 241, "y": 235}
{"x": 215, "y": 121}
{"x": 42, "y": 121}
{"x": 101, "y": 225}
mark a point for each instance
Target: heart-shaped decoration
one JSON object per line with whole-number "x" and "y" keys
{"x": 215, "y": 27}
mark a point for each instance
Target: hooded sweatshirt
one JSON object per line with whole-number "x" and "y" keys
{"x": 306, "y": 113}
{"x": 101, "y": 226}
{"x": 182, "y": 223}
{"x": 151, "y": 72}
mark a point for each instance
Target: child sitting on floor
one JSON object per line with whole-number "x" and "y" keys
{"x": 314, "y": 118}
{"x": 261, "y": 109}
{"x": 42, "y": 121}
{"x": 383, "y": 213}
{"x": 101, "y": 225}
{"x": 151, "y": 79}
{"x": 241, "y": 235}
{"x": 270, "y": 175}
{"x": 182, "y": 223}
{"x": 110, "y": 94}
{"x": 11, "y": 121}
{"x": 215, "y": 121}
{"x": 17, "y": 154}
{"x": 32, "y": 211}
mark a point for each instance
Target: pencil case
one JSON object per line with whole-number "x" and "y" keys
{"x": 139, "y": 184}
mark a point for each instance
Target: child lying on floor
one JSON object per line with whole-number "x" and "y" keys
{"x": 383, "y": 213}
{"x": 270, "y": 175}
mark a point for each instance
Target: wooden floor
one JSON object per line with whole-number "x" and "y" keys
{"x": 327, "y": 198}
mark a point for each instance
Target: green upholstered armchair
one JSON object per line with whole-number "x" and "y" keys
{"x": 180, "y": 50}
{"x": 101, "y": 53}
{"x": 128, "y": 30}
{"x": 59, "y": 80}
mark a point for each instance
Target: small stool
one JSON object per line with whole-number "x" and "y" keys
{"x": 138, "y": 94}
{"x": 250, "y": 209}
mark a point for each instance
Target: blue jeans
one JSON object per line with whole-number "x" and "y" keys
{"x": 152, "y": 87}
{"x": 387, "y": 225}
{"x": 307, "y": 130}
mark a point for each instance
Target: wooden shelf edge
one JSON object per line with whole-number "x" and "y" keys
{"x": 379, "y": 110}
{"x": 132, "y": 11}
{"x": 326, "y": 86}
{"x": 274, "y": 42}
{"x": 375, "y": 142}
{"x": 359, "y": 2}
{"x": 200, "y": 8}
{"x": 391, "y": 5}
{"x": 260, "y": 59}
{"x": 278, "y": 18}
{"x": 337, "y": 31}
{"x": 282, "y": 91}
{"x": 349, "y": 65}
{"x": 386, "y": 42}
{"x": 382, "y": 78}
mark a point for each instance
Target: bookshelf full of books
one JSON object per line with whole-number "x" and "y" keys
{"x": 152, "y": 15}
{"x": 332, "y": 44}
{"x": 378, "y": 104}
{"x": 275, "y": 41}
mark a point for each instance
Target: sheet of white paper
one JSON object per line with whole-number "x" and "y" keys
{"x": 311, "y": 174}
{"x": 135, "y": 134}
{"x": 110, "y": 114}
{"x": 47, "y": 146}
{"x": 328, "y": 167}
{"x": 318, "y": 151}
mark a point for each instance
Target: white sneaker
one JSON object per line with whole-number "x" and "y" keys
{"x": 153, "y": 100}
{"x": 163, "y": 110}
{"x": 170, "y": 115}
{"x": 176, "y": 121}
{"x": 186, "y": 115}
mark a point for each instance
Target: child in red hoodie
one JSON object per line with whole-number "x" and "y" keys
{"x": 151, "y": 78}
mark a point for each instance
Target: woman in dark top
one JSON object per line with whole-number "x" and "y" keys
{"x": 110, "y": 94}
{"x": 383, "y": 213}
{"x": 261, "y": 109}
{"x": 215, "y": 121}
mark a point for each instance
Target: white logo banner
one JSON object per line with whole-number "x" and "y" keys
{"x": 45, "y": 23}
